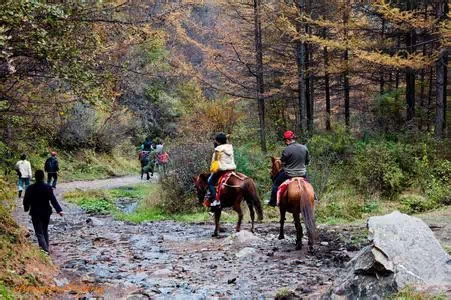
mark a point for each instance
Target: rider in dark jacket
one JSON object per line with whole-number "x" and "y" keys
{"x": 295, "y": 158}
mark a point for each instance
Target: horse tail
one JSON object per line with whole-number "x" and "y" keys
{"x": 251, "y": 195}
{"x": 307, "y": 208}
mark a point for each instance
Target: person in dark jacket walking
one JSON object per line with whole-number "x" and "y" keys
{"x": 51, "y": 166}
{"x": 295, "y": 159}
{"x": 37, "y": 200}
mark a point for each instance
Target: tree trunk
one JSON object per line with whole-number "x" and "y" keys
{"x": 308, "y": 84}
{"x": 346, "y": 87}
{"x": 410, "y": 80}
{"x": 259, "y": 72}
{"x": 381, "y": 75}
{"x": 300, "y": 61}
{"x": 398, "y": 45}
{"x": 422, "y": 87}
{"x": 440, "y": 70}
{"x": 326, "y": 85}
{"x": 429, "y": 105}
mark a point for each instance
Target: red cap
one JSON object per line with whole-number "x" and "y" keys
{"x": 53, "y": 153}
{"x": 288, "y": 135}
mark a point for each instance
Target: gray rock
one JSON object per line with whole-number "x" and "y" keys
{"x": 61, "y": 282}
{"x": 246, "y": 252}
{"x": 162, "y": 273}
{"x": 403, "y": 252}
{"x": 243, "y": 238}
{"x": 409, "y": 244}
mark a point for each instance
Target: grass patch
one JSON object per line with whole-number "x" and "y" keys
{"x": 148, "y": 197}
{"x": 409, "y": 293}
{"x": 88, "y": 165}
{"x": 5, "y": 292}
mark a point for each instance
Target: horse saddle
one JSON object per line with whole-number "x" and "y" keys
{"x": 281, "y": 191}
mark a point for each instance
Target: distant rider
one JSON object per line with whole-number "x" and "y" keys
{"x": 222, "y": 161}
{"x": 295, "y": 158}
{"x": 147, "y": 145}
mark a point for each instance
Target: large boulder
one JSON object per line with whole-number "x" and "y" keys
{"x": 403, "y": 252}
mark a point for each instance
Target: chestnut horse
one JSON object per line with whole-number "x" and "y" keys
{"x": 298, "y": 198}
{"x": 237, "y": 188}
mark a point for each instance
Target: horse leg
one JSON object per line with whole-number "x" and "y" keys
{"x": 252, "y": 213}
{"x": 282, "y": 220}
{"x": 299, "y": 233}
{"x": 217, "y": 217}
{"x": 237, "y": 208}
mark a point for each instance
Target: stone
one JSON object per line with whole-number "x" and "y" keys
{"x": 246, "y": 252}
{"x": 162, "y": 273}
{"x": 95, "y": 221}
{"x": 61, "y": 282}
{"x": 243, "y": 238}
{"x": 403, "y": 251}
{"x": 412, "y": 248}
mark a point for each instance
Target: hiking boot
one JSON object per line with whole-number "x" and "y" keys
{"x": 215, "y": 203}
{"x": 269, "y": 203}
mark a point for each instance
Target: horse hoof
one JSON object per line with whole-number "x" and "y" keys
{"x": 298, "y": 247}
{"x": 311, "y": 250}
{"x": 281, "y": 237}
{"x": 215, "y": 234}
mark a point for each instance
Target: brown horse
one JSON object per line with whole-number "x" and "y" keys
{"x": 237, "y": 188}
{"x": 298, "y": 198}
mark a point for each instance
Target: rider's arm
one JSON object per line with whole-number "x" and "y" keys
{"x": 283, "y": 158}
{"x": 307, "y": 158}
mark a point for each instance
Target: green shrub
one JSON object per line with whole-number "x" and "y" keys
{"x": 389, "y": 111}
{"x": 377, "y": 170}
{"x": 416, "y": 204}
{"x": 253, "y": 163}
{"x": 177, "y": 187}
{"x": 336, "y": 145}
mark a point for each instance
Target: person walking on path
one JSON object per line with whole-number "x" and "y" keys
{"x": 51, "y": 166}
{"x": 23, "y": 169}
{"x": 37, "y": 200}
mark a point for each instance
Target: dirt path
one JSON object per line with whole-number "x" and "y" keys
{"x": 171, "y": 259}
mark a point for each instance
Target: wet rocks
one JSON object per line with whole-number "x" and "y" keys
{"x": 243, "y": 238}
{"x": 403, "y": 252}
{"x": 248, "y": 251}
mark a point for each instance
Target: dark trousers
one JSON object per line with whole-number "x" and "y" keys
{"x": 51, "y": 176}
{"x": 212, "y": 181}
{"x": 41, "y": 229}
{"x": 280, "y": 178}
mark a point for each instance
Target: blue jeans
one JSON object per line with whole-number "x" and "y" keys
{"x": 23, "y": 183}
{"x": 212, "y": 181}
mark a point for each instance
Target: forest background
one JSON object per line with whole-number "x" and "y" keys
{"x": 363, "y": 83}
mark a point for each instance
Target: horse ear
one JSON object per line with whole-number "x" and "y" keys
{"x": 273, "y": 159}
{"x": 194, "y": 178}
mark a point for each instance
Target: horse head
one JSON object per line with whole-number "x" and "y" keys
{"x": 201, "y": 185}
{"x": 276, "y": 166}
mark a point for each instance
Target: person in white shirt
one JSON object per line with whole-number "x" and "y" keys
{"x": 23, "y": 169}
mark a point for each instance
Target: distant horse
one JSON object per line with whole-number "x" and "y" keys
{"x": 146, "y": 164}
{"x": 298, "y": 198}
{"x": 236, "y": 189}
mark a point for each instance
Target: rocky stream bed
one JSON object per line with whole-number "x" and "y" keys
{"x": 181, "y": 260}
